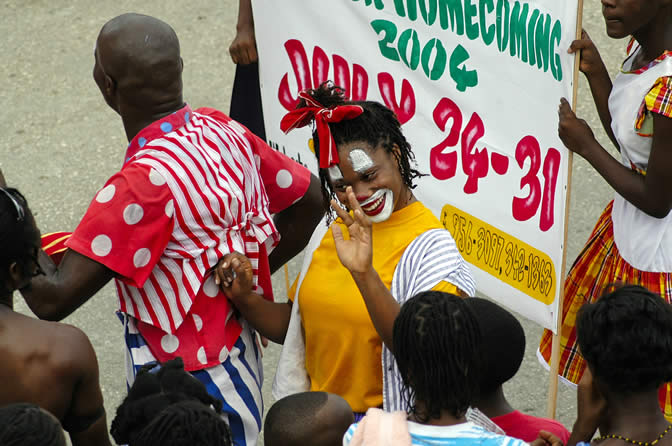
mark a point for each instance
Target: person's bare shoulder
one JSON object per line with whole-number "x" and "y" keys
{"x": 72, "y": 351}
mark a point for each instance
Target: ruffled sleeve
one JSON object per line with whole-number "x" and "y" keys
{"x": 657, "y": 100}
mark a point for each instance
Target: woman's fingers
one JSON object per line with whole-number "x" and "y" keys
{"x": 342, "y": 213}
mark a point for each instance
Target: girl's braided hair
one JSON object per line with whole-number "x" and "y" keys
{"x": 169, "y": 404}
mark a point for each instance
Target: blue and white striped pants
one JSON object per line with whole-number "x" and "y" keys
{"x": 236, "y": 382}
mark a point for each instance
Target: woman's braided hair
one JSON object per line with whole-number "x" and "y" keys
{"x": 378, "y": 125}
{"x": 436, "y": 342}
{"x": 169, "y": 404}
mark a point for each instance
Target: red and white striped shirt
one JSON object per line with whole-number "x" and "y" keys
{"x": 195, "y": 186}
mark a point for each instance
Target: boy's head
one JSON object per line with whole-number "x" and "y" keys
{"x": 626, "y": 339}
{"x": 502, "y": 344}
{"x": 436, "y": 345}
{"x": 25, "y": 424}
{"x": 308, "y": 418}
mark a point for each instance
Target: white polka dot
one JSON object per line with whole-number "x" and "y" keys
{"x": 197, "y": 321}
{"x": 257, "y": 161}
{"x": 133, "y": 214}
{"x": 170, "y": 343}
{"x": 201, "y": 356}
{"x": 223, "y": 354}
{"x": 260, "y": 290}
{"x": 210, "y": 288}
{"x": 284, "y": 179}
{"x": 170, "y": 208}
{"x": 141, "y": 257}
{"x": 156, "y": 178}
{"x": 101, "y": 245}
{"x": 106, "y": 193}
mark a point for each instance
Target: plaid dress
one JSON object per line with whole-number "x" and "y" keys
{"x": 601, "y": 263}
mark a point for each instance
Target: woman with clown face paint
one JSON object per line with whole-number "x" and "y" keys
{"x": 384, "y": 247}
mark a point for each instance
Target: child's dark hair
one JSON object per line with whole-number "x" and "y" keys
{"x": 156, "y": 406}
{"x": 502, "y": 344}
{"x": 626, "y": 338}
{"x": 307, "y": 418}
{"x": 18, "y": 235}
{"x": 25, "y": 424}
{"x": 378, "y": 125}
{"x": 436, "y": 343}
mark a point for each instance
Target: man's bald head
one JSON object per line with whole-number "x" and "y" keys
{"x": 138, "y": 62}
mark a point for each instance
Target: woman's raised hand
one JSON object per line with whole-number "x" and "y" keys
{"x": 356, "y": 253}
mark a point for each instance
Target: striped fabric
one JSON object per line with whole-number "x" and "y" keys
{"x": 236, "y": 381}
{"x": 598, "y": 266}
{"x": 464, "y": 434}
{"x": 194, "y": 186}
{"x": 431, "y": 258}
{"x": 53, "y": 244}
{"x": 221, "y": 207}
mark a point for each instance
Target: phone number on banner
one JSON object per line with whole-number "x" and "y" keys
{"x": 501, "y": 255}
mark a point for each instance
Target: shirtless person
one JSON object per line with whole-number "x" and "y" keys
{"x": 49, "y": 364}
{"x": 194, "y": 186}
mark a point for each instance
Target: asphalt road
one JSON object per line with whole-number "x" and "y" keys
{"x": 60, "y": 143}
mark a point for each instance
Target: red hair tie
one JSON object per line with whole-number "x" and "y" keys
{"x": 322, "y": 116}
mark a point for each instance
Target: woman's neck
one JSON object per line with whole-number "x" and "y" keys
{"x": 655, "y": 38}
{"x": 637, "y": 417}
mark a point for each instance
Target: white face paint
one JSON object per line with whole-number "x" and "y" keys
{"x": 335, "y": 173}
{"x": 379, "y": 206}
{"x": 360, "y": 160}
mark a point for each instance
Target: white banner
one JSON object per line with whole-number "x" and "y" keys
{"x": 476, "y": 85}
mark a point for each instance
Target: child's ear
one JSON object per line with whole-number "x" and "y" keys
{"x": 15, "y": 274}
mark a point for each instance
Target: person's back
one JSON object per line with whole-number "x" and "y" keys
{"x": 503, "y": 349}
{"x": 49, "y": 364}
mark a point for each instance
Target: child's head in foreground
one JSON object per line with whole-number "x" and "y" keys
{"x": 168, "y": 406}
{"x": 436, "y": 345}
{"x": 25, "y": 424}
{"x": 308, "y": 418}
{"x": 502, "y": 344}
{"x": 626, "y": 339}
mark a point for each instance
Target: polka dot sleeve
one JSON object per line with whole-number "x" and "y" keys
{"x": 128, "y": 224}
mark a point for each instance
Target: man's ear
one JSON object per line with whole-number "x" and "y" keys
{"x": 15, "y": 274}
{"x": 181, "y": 65}
{"x": 3, "y": 183}
{"x": 110, "y": 86}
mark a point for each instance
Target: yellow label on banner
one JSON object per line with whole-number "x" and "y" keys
{"x": 503, "y": 256}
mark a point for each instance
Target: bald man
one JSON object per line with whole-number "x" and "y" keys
{"x": 194, "y": 186}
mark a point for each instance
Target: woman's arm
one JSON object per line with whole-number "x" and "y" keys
{"x": 652, "y": 193}
{"x": 233, "y": 274}
{"x": 356, "y": 254}
{"x": 592, "y": 66}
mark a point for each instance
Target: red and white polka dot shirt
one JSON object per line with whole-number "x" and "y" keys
{"x": 195, "y": 186}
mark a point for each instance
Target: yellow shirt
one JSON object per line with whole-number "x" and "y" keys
{"x": 343, "y": 349}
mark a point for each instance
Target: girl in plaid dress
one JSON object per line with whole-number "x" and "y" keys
{"x": 632, "y": 241}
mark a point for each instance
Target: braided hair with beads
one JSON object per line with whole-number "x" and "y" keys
{"x": 436, "y": 343}
{"x": 166, "y": 402}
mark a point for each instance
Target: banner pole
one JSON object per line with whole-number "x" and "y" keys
{"x": 555, "y": 346}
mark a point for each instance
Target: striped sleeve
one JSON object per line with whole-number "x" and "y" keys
{"x": 347, "y": 437}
